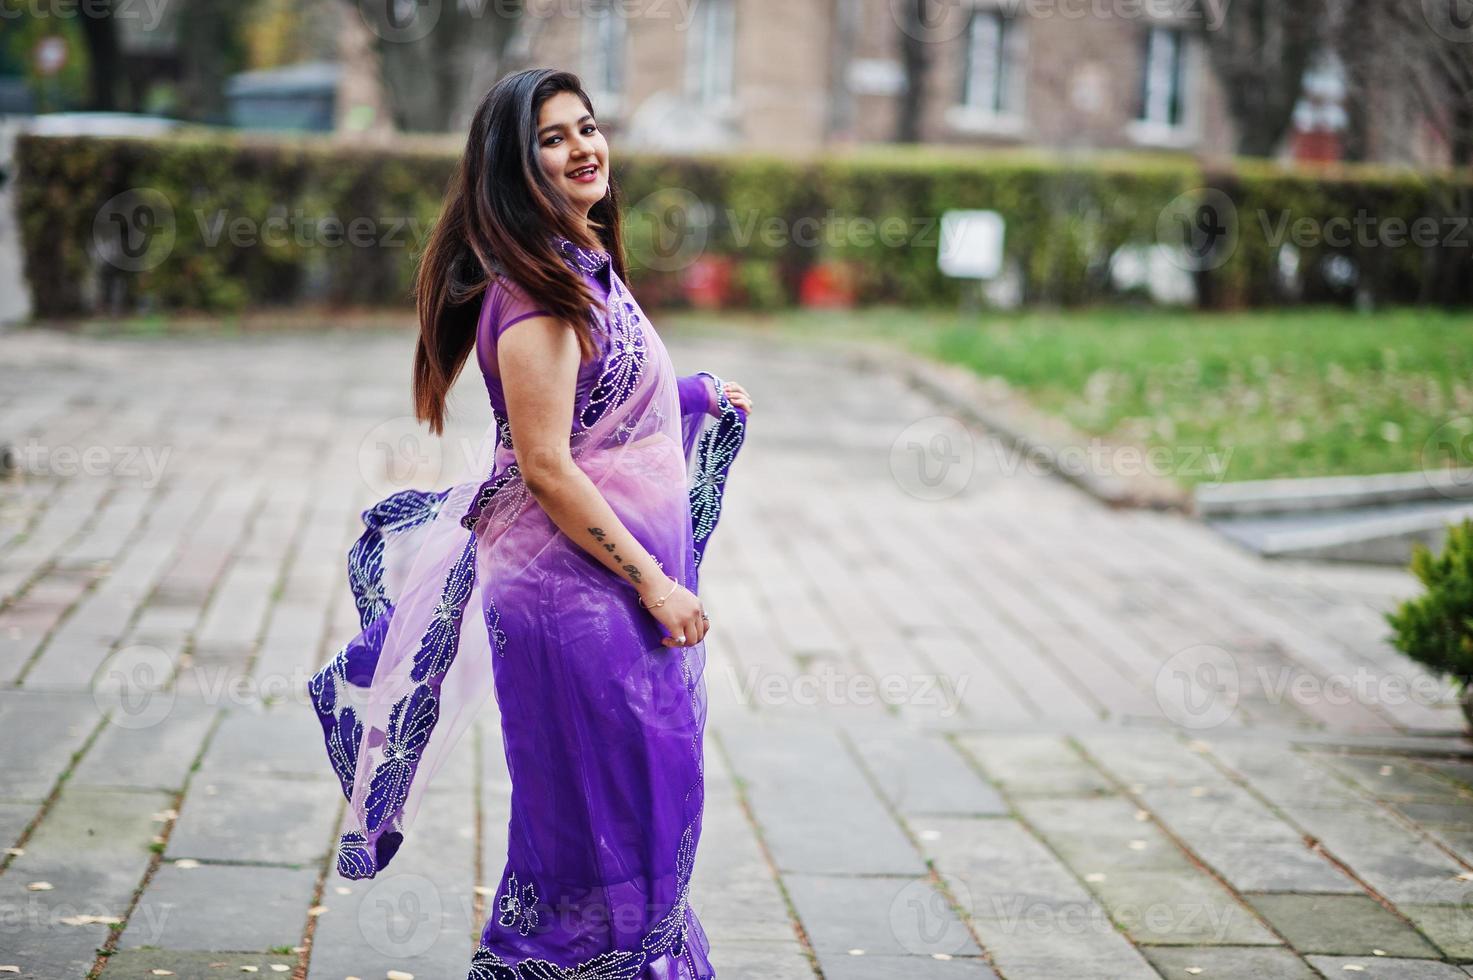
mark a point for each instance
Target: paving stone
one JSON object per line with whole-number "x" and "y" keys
{"x": 1394, "y": 778}
{"x": 1395, "y": 860}
{"x": 281, "y": 740}
{"x": 1450, "y": 927}
{"x": 733, "y": 890}
{"x": 256, "y": 820}
{"x": 814, "y": 806}
{"x": 43, "y": 730}
{"x": 1032, "y": 915}
{"x": 883, "y": 916}
{"x": 1284, "y": 775}
{"x": 1034, "y": 765}
{"x": 1461, "y": 771}
{"x": 1167, "y": 907}
{"x": 1272, "y": 866}
{"x": 34, "y": 937}
{"x": 1340, "y": 924}
{"x": 1227, "y": 827}
{"x": 925, "y": 774}
{"x": 13, "y": 819}
{"x": 139, "y": 964}
{"x": 418, "y": 914}
{"x": 1103, "y": 834}
{"x": 1460, "y": 840}
{"x": 1150, "y": 887}
{"x": 768, "y": 960}
{"x": 94, "y": 847}
{"x": 221, "y": 907}
{"x": 1402, "y": 866}
{"x": 1458, "y": 814}
{"x": 1148, "y": 761}
{"x": 841, "y": 966}
{"x": 1205, "y": 812}
{"x": 155, "y": 756}
{"x": 1384, "y": 968}
{"x": 1228, "y": 963}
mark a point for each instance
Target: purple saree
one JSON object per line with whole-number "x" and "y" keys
{"x": 472, "y": 588}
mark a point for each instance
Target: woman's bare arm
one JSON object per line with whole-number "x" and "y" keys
{"x": 538, "y": 363}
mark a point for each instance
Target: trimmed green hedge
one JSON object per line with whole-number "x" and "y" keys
{"x": 264, "y": 221}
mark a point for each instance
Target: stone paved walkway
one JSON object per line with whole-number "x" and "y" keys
{"x": 966, "y": 722}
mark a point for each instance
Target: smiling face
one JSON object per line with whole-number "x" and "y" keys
{"x": 573, "y": 151}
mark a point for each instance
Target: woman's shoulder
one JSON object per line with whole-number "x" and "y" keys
{"x": 506, "y": 302}
{"x": 502, "y": 288}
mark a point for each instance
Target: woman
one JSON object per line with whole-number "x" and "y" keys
{"x": 566, "y": 580}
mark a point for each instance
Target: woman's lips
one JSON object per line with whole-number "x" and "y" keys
{"x": 585, "y": 175}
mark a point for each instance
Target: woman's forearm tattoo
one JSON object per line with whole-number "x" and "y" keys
{"x": 633, "y": 573}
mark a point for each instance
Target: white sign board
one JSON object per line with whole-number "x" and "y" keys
{"x": 971, "y": 244}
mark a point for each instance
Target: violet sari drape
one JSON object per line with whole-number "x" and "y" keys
{"x": 472, "y": 588}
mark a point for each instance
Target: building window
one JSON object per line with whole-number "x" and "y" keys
{"x": 1163, "y": 79}
{"x": 992, "y": 58}
{"x": 709, "y": 52}
{"x": 604, "y": 43}
{"x": 985, "y": 80}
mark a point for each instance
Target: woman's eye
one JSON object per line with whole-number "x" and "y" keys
{"x": 551, "y": 140}
{"x": 590, "y": 128}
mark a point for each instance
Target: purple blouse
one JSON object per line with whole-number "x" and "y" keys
{"x": 505, "y": 304}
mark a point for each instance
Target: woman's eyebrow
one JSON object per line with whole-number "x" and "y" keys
{"x": 585, "y": 118}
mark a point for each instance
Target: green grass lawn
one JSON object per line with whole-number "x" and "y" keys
{"x": 1280, "y": 394}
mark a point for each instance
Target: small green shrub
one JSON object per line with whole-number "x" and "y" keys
{"x": 1436, "y": 628}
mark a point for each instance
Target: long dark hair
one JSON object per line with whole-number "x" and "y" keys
{"x": 501, "y": 212}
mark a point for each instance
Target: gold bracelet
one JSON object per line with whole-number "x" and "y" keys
{"x": 661, "y": 600}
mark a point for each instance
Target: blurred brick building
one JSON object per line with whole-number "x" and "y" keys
{"x": 797, "y": 75}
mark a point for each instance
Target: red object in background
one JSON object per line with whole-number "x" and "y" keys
{"x": 1317, "y": 146}
{"x": 828, "y": 285}
{"x": 707, "y": 282}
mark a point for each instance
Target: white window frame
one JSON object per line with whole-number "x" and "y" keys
{"x": 994, "y": 104}
{"x": 1164, "y": 68}
{"x": 605, "y": 43}
{"x": 710, "y": 54}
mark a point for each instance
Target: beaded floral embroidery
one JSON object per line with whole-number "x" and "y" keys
{"x": 669, "y": 935}
{"x": 518, "y": 905}
{"x": 714, "y": 455}
{"x": 624, "y": 364}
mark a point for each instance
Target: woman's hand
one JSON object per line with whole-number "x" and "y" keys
{"x": 681, "y": 613}
{"x": 738, "y": 396}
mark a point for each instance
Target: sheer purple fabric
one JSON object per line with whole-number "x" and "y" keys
{"x": 472, "y": 589}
